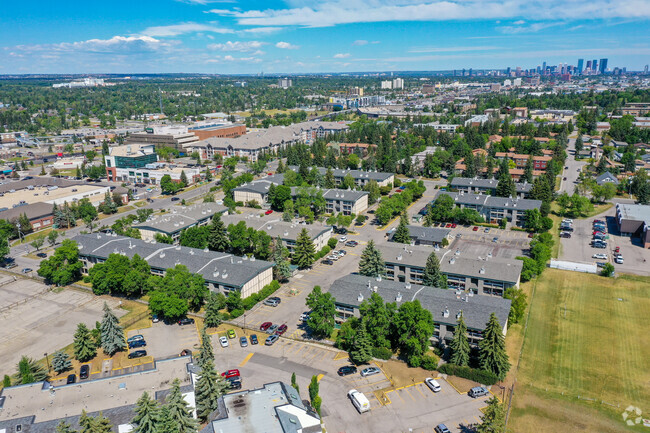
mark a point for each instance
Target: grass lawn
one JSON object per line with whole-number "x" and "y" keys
{"x": 586, "y": 337}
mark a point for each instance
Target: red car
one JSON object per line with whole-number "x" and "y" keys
{"x": 475, "y": 229}
{"x": 270, "y": 174}
{"x": 268, "y": 212}
{"x": 230, "y": 373}
{"x": 453, "y": 226}
{"x": 617, "y": 250}
{"x": 266, "y": 325}
{"x": 531, "y": 235}
{"x": 281, "y": 329}
{"x": 598, "y": 232}
{"x": 448, "y": 225}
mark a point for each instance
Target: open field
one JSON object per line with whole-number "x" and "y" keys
{"x": 586, "y": 337}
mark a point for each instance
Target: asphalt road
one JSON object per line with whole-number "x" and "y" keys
{"x": 572, "y": 170}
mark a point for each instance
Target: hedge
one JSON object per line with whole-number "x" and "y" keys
{"x": 381, "y": 353}
{"x": 332, "y": 242}
{"x": 481, "y": 376}
{"x": 429, "y": 362}
{"x": 250, "y": 301}
{"x": 322, "y": 253}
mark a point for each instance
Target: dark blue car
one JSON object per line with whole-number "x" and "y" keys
{"x": 137, "y": 343}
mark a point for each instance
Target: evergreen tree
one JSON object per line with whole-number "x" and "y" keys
{"x": 602, "y": 165}
{"x": 209, "y": 388}
{"x": 470, "y": 166}
{"x": 489, "y": 166}
{"x": 6, "y": 381}
{"x": 208, "y": 175}
{"x": 29, "y": 371}
{"x": 329, "y": 181}
{"x": 460, "y": 349}
{"x": 98, "y": 424}
{"x": 492, "y": 349}
{"x": 179, "y": 411}
{"x": 112, "y": 333}
{"x": 218, "y": 237}
{"x": 579, "y": 145}
{"x": 305, "y": 251}
{"x": 281, "y": 167}
{"x": 294, "y": 383}
{"x": 166, "y": 423}
{"x": 146, "y": 414}
{"x": 505, "y": 186}
{"x": 183, "y": 179}
{"x": 371, "y": 263}
{"x": 108, "y": 206}
{"x": 84, "y": 345}
{"x": 313, "y": 388}
{"x": 432, "y": 275}
{"x": 64, "y": 427}
{"x": 282, "y": 269}
{"x": 61, "y": 362}
{"x": 361, "y": 351}
{"x": 206, "y": 352}
{"x": 493, "y": 419}
{"x": 528, "y": 170}
{"x": 402, "y": 234}
{"x": 42, "y": 173}
{"x": 212, "y": 315}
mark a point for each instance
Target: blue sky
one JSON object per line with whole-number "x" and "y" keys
{"x": 296, "y": 36}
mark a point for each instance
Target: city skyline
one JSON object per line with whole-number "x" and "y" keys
{"x": 303, "y": 36}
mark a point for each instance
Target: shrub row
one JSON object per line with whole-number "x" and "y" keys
{"x": 382, "y": 353}
{"x": 322, "y": 253}
{"x": 481, "y": 376}
{"x": 250, "y": 301}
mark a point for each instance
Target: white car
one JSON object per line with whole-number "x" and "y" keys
{"x": 333, "y": 257}
{"x": 433, "y": 384}
{"x": 223, "y": 341}
{"x": 600, "y": 256}
{"x": 343, "y": 239}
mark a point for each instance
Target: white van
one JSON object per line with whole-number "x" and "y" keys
{"x": 359, "y": 400}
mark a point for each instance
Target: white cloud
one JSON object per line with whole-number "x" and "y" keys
{"x": 116, "y": 44}
{"x": 183, "y": 28}
{"x": 341, "y": 55}
{"x": 242, "y": 59}
{"x": 286, "y": 46}
{"x": 520, "y": 22}
{"x": 360, "y": 42}
{"x": 333, "y": 12}
{"x": 261, "y": 30}
{"x": 242, "y": 46}
{"x": 205, "y": 2}
{"x": 451, "y": 49}
{"x": 532, "y": 28}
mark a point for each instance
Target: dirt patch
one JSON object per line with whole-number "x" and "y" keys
{"x": 401, "y": 374}
{"x": 461, "y": 385}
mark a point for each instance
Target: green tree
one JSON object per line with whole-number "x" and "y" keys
{"x": 294, "y": 383}
{"x": 168, "y": 186}
{"x": 61, "y": 362}
{"x": 528, "y": 170}
{"x": 361, "y": 350}
{"x": 218, "y": 238}
{"x": 313, "y": 388}
{"x": 305, "y": 252}
{"x": 112, "y": 333}
{"x": 108, "y": 277}
{"x": 195, "y": 237}
{"x": 184, "y": 182}
{"x": 460, "y": 349}
{"x": 493, "y": 419}
{"x": 146, "y": 414}
{"x": 578, "y": 146}
{"x": 505, "y": 186}
{"x": 330, "y": 181}
{"x": 492, "y": 349}
{"x": 518, "y": 305}
{"x": 64, "y": 427}
{"x": 29, "y": 371}
{"x": 215, "y": 302}
{"x": 322, "y": 317}
{"x": 289, "y": 211}
{"x": 280, "y": 197}
{"x": 108, "y": 206}
{"x": 432, "y": 275}
{"x": 167, "y": 305}
{"x": 98, "y": 424}
{"x": 38, "y": 242}
{"x": 63, "y": 267}
{"x": 412, "y": 330}
{"x": 371, "y": 263}
{"x": 52, "y": 237}
{"x": 179, "y": 281}
{"x": 282, "y": 268}
{"x": 179, "y": 410}
{"x": 402, "y": 234}
{"x": 348, "y": 182}
{"x": 84, "y": 345}
{"x": 6, "y": 381}
{"x": 442, "y": 209}
{"x": 377, "y": 318}
{"x": 608, "y": 270}
{"x": 209, "y": 388}
{"x": 4, "y": 248}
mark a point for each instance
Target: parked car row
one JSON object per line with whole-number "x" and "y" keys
{"x": 599, "y": 234}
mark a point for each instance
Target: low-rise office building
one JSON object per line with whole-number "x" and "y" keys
{"x": 219, "y": 130}
{"x": 476, "y": 185}
{"x": 479, "y": 275}
{"x": 446, "y": 306}
{"x": 222, "y": 272}
{"x": 430, "y": 236}
{"x": 178, "y": 219}
{"x": 494, "y": 209}
{"x": 634, "y": 220}
{"x": 176, "y": 136}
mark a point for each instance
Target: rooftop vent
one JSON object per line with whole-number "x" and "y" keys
{"x": 215, "y": 274}
{"x": 224, "y": 274}
{"x": 252, "y": 258}
{"x": 460, "y": 313}
{"x": 178, "y": 248}
{"x": 191, "y": 252}
{"x": 481, "y": 271}
{"x": 205, "y": 250}
{"x": 407, "y": 285}
{"x": 162, "y": 255}
{"x": 378, "y": 278}
{"x": 360, "y": 298}
{"x": 446, "y": 312}
{"x": 452, "y": 260}
{"x": 399, "y": 257}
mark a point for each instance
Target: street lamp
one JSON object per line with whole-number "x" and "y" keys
{"x": 48, "y": 362}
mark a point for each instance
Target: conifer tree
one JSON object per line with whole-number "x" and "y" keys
{"x": 183, "y": 179}
{"x": 282, "y": 269}
{"x": 206, "y": 352}
{"x": 361, "y": 351}
{"x": 402, "y": 234}
{"x": 179, "y": 410}
{"x": 371, "y": 263}
{"x": 84, "y": 344}
{"x": 166, "y": 423}
{"x": 61, "y": 362}
{"x": 112, "y": 333}
{"x": 329, "y": 181}
{"x": 305, "y": 251}
{"x": 64, "y": 427}
{"x": 146, "y": 414}
{"x": 209, "y": 388}
{"x": 294, "y": 383}
{"x": 493, "y": 419}
{"x": 432, "y": 275}
{"x": 460, "y": 349}
{"x": 218, "y": 238}
{"x": 212, "y": 315}
{"x": 492, "y": 349}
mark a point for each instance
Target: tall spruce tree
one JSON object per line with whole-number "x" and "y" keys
{"x": 432, "y": 275}
{"x": 371, "y": 263}
{"x": 492, "y": 349}
{"x": 218, "y": 237}
{"x": 64, "y": 427}
{"x": 61, "y": 362}
{"x": 282, "y": 268}
{"x": 329, "y": 181}
{"x": 528, "y": 170}
{"x": 166, "y": 423}
{"x": 84, "y": 344}
{"x": 305, "y": 252}
{"x": 361, "y": 350}
{"x": 494, "y": 418}
{"x": 212, "y": 314}
{"x": 112, "y": 333}
{"x": 402, "y": 234}
{"x": 209, "y": 388}
{"x": 460, "y": 349}
{"x": 97, "y": 424}
{"x": 206, "y": 352}
{"x": 179, "y": 410}
{"x": 146, "y": 414}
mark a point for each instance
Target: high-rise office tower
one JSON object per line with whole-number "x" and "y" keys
{"x": 594, "y": 65}
{"x": 544, "y": 68}
{"x": 588, "y": 65}
{"x": 603, "y": 66}
{"x": 581, "y": 63}
{"x": 645, "y": 70}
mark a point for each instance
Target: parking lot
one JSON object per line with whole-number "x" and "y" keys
{"x": 578, "y": 249}
{"x": 413, "y": 408}
{"x": 165, "y": 341}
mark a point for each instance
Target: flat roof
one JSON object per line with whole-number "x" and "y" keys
{"x": 356, "y": 174}
{"x": 221, "y": 268}
{"x": 133, "y": 150}
{"x": 180, "y": 218}
{"x": 487, "y": 268}
{"x": 335, "y": 193}
{"x": 637, "y": 212}
{"x": 40, "y": 194}
{"x": 353, "y": 289}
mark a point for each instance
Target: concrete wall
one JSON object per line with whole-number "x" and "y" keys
{"x": 246, "y": 196}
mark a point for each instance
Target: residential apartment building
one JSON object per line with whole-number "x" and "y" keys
{"x": 430, "y": 236}
{"x": 494, "y": 209}
{"x": 222, "y": 272}
{"x": 636, "y": 108}
{"x": 475, "y": 185}
{"x": 179, "y": 218}
{"x": 520, "y": 160}
{"x": 446, "y": 306}
{"x": 479, "y": 275}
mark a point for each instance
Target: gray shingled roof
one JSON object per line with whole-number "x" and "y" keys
{"x": 335, "y": 194}
{"x": 426, "y": 234}
{"x": 497, "y": 269}
{"x": 476, "y": 309}
{"x": 179, "y": 218}
{"x": 356, "y": 174}
{"x": 607, "y": 177}
{"x": 215, "y": 267}
{"x": 482, "y": 200}
{"x": 261, "y": 186}
{"x": 275, "y": 227}
{"x": 33, "y": 211}
{"x": 486, "y": 183}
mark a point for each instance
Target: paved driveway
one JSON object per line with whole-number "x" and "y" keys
{"x": 164, "y": 341}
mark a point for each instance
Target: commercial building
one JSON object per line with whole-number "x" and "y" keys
{"x": 217, "y": 130}
{"x": 138, "y": 163}
{"x": 222, "y": 272}
{"x": 285, "y": 83}
{"x": 446, "y": 306}
{"x": 634, "y": 220}
{"x": 479, "y": 275}
{"x": 39, "y": 214}
{"x": 274, "y": 408}
{"x": 636, "y": 108}
{"x": 425, "y": 235}
{"x": 176, "y": 136}
{"x": 53, "y": 194}
{"x": 475, "y": 185}
{"x": 477, "y": 120}
{"x": 494, "y": 209}
{"x": 178, "y": 219}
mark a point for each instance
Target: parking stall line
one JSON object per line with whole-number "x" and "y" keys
{"x": 421, "y": 393}
{"x": 400, "y": 397}
{"x": 248, "y": 358}
{"x": 409, "y": 394}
